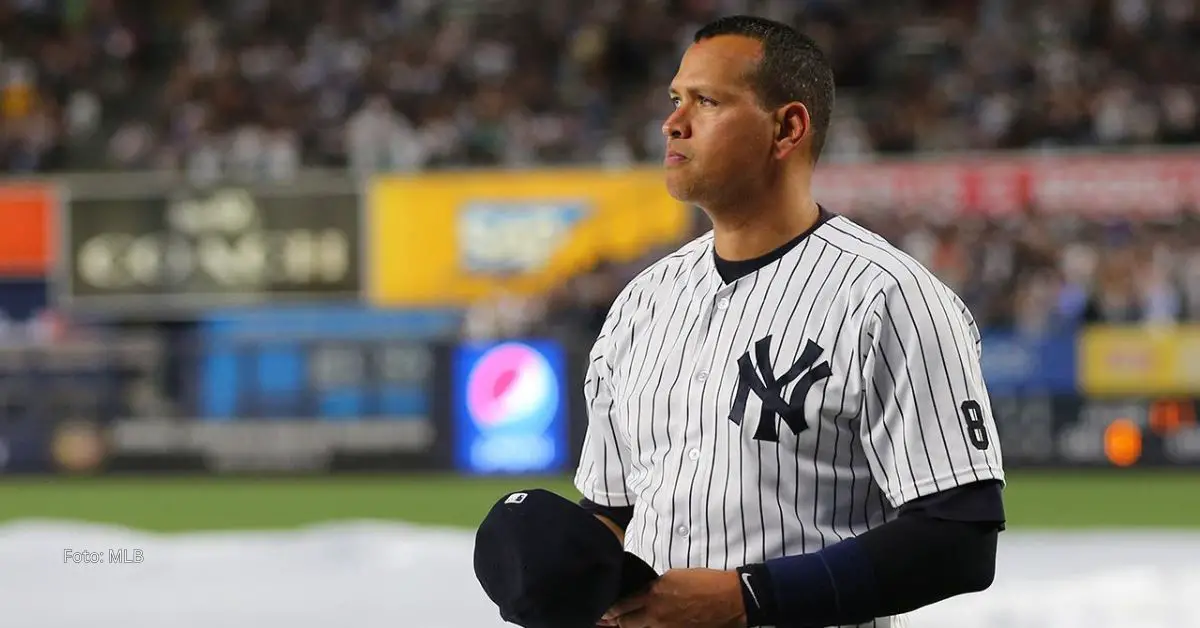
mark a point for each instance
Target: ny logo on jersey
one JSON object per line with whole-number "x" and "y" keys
{"x": 769, "y": 390}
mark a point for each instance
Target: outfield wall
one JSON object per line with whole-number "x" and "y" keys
{"x": 326, "y": 389}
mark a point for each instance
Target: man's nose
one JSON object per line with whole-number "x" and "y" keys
{"x": 676, "y": 126}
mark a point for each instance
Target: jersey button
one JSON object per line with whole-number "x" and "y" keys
{"x": 694, "y": 454}
{"x": 682, "y": 530}
{"x": 702, "y": 375}
{"x": 722, "y": 303}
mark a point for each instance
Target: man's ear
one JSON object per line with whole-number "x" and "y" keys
{"x": 793, "y": 126}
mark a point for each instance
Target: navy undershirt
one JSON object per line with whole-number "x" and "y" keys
{"x": 731, "y": 271}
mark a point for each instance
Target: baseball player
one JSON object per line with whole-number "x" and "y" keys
{"x": 787, "y": 418}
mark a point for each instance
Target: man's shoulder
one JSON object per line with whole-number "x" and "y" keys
{"x": 641, "y": 293}
{"x": 673, "y": 263}
{"x": 897, "y": 272}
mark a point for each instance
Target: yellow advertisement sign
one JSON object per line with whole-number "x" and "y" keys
{"x": 1140, "y": 360}
{"x": 448, "y": 239}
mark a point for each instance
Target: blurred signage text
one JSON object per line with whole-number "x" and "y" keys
{"x": 1068, "y": 431}
{"x": 1140, "y": 360}
{"x": 448, "y": 239}
{"x": 307, "y": 389}
{"x": 1147, "y": 185}
{"x": 205, "y": 249}
{"x": 58, "y": 397}
{"x": 1017, "y": 364}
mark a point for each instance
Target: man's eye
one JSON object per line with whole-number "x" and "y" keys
{"x": 705, "y": 100}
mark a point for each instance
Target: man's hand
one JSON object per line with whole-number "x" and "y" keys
{"x": 684, "y": 598}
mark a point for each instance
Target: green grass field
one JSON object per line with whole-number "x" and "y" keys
{"x": 1034, "y": 500}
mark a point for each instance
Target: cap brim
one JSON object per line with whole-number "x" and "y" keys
{"x": 636, "y": 575}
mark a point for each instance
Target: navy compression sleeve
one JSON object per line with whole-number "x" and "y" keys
{"x": 938, "y": 547}
{"x": 620, "y": 515}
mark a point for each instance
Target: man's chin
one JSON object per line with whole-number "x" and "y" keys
{"x": 679, "y": 188}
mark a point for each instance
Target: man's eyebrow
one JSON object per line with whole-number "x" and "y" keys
{"x": 692, "y": 89}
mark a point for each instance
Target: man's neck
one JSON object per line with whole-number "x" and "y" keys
{"x": 760, "y": 228}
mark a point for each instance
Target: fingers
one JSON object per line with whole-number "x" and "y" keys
{"x": 626, "y": 606}
{"x": 636, "y": 619}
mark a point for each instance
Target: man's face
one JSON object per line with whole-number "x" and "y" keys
{"x": 719, "y": 138}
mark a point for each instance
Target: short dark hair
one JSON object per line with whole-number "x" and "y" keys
{"x": 793, "y": 68}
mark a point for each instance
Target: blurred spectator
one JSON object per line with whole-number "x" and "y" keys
{"x": 380, "y": 139}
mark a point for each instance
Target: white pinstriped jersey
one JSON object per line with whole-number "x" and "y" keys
{"x": 797, "y": 406}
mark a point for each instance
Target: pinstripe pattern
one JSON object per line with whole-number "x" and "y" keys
{"x": 885, "y": 426}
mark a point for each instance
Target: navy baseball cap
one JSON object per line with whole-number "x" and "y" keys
{"x": 548, "y": 563}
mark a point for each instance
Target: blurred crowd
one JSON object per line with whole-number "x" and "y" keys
{"x": 1038, "y": 273}
{"x": 1031, "y": 274}
{"x": 261, "y": 88}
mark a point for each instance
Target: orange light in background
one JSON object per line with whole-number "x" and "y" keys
{"x": 1170, "y": 416}
{"x": 1123, "y": 442}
